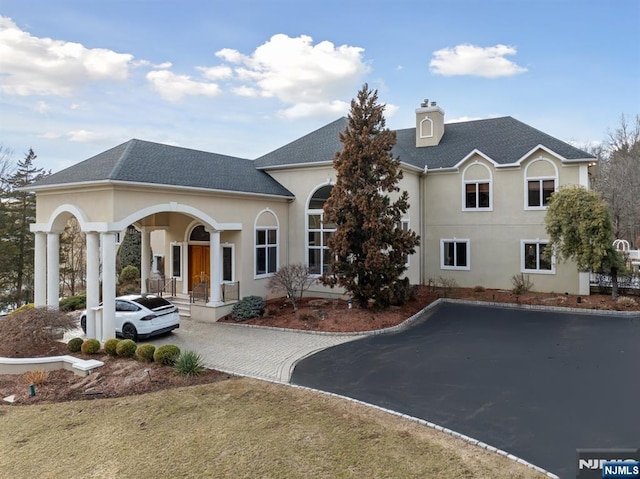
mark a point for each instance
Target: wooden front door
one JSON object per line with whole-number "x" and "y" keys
{"x": 199, "y": 265}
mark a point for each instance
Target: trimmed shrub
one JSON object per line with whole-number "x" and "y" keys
{"x": 110, "y": 346}
{"x": 166, "y": 354}
{"x": 73, "y": 303}
{"x": 75, "y": 345}
{"x": 90, "y": 346}
{"x": 129, "y": 273}
{"x": 248, "y": 307}
{"x": 126, "y": 348}
{"x": 145, "y": 352}
{"x": 188, "y": 364}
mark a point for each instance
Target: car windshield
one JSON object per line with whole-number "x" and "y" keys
{"x": 152, "y": 302}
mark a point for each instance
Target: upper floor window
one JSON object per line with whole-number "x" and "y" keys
{"x": 318, "y": 232}
{"x": 454, "y": 254}
{"x": 266, "y": 244}
{"x": 541, "y": 181}
{"x": 477, "y": 183}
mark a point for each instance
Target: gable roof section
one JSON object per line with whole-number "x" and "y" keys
{"x": 145, "y": 162}
{"x": 504, "y": 140}
{"x": 316, "y": 147}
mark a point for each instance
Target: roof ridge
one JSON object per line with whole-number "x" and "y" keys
{"x": 121, "y": 159}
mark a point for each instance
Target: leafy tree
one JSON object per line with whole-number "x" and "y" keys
{"x": 579, "y": 227}
{"x": 19, "y": 211}
{"x": 617, "y": 178}
{"x": 368, "y": 249}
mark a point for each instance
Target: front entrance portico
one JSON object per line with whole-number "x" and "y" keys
{"x": 101, "y": 251}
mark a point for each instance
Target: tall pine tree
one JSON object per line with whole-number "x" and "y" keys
{"x": 16, "y": 253}
{"x": 369, "y": 248}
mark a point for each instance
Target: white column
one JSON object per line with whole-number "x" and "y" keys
{"x": 40, "y": 270}
{"x": 145, "y": 258}
{"x": 93, "y": 281}
{"x": 53, "y": 270}
{"x": 215, "y": 296}
{"x": 108, "y": 242}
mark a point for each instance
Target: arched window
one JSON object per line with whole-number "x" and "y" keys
{"x": 266, "y": 244}
{"x": 541, "y": 181}
{"x": 426, "y": 128}
{"x": 318, "y": 232}
{"x": 199, "y": 234}
{"x": 477, "y": 188}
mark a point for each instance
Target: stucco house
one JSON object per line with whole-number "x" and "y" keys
{"x": 478, "y": 192}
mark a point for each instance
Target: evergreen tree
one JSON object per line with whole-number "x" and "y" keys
{"x": 72, "y": 256}
{"x": 19, "y": 211}
{"x": 368, "y": 249}
{"x": 130, "y": 250}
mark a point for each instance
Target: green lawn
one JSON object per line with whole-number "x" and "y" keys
{"x": 239, "y": 428}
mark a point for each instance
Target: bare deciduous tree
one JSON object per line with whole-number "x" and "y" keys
{"x": 294, "y": 279}
{"x": 617, "y": 178}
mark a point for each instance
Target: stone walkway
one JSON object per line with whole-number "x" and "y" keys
{"x": 258, "y": 352}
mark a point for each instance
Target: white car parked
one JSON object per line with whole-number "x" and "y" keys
{"x": 140, "y": 316}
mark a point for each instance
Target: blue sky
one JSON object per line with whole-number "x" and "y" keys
{"x": 244, "y": 77}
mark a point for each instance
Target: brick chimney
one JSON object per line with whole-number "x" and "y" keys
{"x": 429, "y": 124}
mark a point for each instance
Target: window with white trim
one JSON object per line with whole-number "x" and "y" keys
{"x": 176, "y": 260}
{"x": 477, "y": 187}
{"x": 266, "y": 251}
{"x": 541, "y": 181}
{"x": 455, "y": 254}
{"x": 228, "y": 261}
{"x": 318, "y": 232}
{"x": 534, "y": 258}
{"x": 539, "y": 192}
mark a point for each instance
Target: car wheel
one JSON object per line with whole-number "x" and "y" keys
{"x": 129, "y": 331}
{"x": 83, "y": 324}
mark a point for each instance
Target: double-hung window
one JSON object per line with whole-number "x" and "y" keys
{"x": 318, "y": 232}
{"x": 476, "y": 195}
{"x": 477, "y": 187}
{"x": 454, "y": 254}
{"x": 539, "y": 192}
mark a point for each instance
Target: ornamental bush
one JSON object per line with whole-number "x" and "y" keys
{"x": 126, "y": 348}
{"x": 75, "y": 345}
{"x": 73, "y": 303}
{"x": 248, "y": 307}
{"x": 110, "y": 346}
{"x": 145, "y": 352}
{"x": 90, "y": 346}
{"x": 188, "y": 364}
{"x": 166, "y": 354}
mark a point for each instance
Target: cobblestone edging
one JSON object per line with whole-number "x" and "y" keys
{"x": 432, "y": 425}
{"x": 418, "y": 316}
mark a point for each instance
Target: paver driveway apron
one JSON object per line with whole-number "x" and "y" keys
{"x": 264, "y": 353}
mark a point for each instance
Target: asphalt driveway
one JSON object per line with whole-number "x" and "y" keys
{"x": 536, "y": 384}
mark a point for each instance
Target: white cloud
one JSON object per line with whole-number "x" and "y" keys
{"x": 390, "y": 109}
{"x": 42, "y": 66}
{"x": 462, "y": 119}
{"x": 174, "y": 87}
{"x": 49, "y": 135}
{"x": 312, "y": 78}
{"x": 85, "y": 136}
{"x": 42, "y": 107}
{"x": 304, "y": 110}
{"x": 219, "y": 72}
{"x": 489, "y": 62}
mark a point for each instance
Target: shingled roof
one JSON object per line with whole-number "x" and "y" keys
{"x": 146, "y": 162}
{"x": 505, "y": 140}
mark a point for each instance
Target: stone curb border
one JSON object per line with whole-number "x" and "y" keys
{"x": 432, "y": 425}
{"x": 413, "y": 319}
{"x": 422, "y": 422}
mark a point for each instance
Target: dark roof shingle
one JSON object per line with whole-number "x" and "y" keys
{"x": 146, "y": 162}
